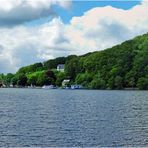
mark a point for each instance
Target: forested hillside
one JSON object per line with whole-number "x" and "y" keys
{"x": 122, "y": 66}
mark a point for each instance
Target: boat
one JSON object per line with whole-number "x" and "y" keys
{"x": 48, "y": 87}
{"x": 76, "y": 86}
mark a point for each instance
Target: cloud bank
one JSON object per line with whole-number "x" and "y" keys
{"x": 97, "y": 29}
{"x": 14, "y": 12}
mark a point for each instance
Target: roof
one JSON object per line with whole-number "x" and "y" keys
{"x": 61, "y": 66}
{"x": 66, "y": 80}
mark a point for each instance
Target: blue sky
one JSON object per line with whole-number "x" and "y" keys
{"x": 38, "y": 30}
{"x": 78, "y": 8}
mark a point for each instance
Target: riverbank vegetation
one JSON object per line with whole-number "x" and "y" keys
{"x": 119, "y": 67}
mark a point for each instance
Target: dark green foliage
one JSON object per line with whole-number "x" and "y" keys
{"x": 143, "y": 83}
{"x": 21, "y": 79}
{"x": 14, "y": 80}
{"x": 130, "y": 79}
{"x": 2, "y": 77}
{"x": 84, "y": 79}
{"x": 52, "y": 64}
{"x": 118, "y": 82}
{"x": 60, "y": 77}
{"x": 8, "y": 78}
{"x": 119, "y": 67}
{"x": 43, "y": 80}
{"x": 50, "y": 74}
{"x": 31, "y": 68}
{"x": 72, "y": 68}
{"x": 32, "y": 80}
{"x": 98, "y": 82}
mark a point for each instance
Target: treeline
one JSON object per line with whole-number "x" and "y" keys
{"x": 37, "y": 74}
{"x": 119, "y": 67}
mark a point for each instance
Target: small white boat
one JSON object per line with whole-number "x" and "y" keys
{"x": 76, "y": 86}
{"x": 48, "y": 87}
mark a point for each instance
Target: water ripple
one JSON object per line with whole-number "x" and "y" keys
{"x": 43, "y": 118}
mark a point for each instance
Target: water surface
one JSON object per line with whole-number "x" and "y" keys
{"x": 35, "y": 117}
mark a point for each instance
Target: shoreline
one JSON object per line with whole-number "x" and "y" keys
{"x": 125, "y": 89}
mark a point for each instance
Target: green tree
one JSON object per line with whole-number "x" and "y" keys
{"x": 14, "y": 80}
{"x": 8, "y": 78}
{"x": 59, "y": 78}
{"x": 52, "y": 64}
{"x": 118, "y": 82}
{"x": 84, "y": 79}
{"x": 32, "y": 80}
{"x": 110, "y": 83}
{"x": 124, "y": 65}
{"x": 98, "y": 83}
{"x": 50, "y": 74}
{"x": 143, "y": 83}
{"x": 44, "y": 80}
{"x": 130, "y": 79}
{"x": 22, "y": 79}
{"x": 72, "y": 68}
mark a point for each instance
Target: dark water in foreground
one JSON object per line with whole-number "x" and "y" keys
{"x": 73, "y": 118}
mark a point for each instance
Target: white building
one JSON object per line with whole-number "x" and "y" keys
{"x": 65, "y": 82}
{"x": 60, "y": 67}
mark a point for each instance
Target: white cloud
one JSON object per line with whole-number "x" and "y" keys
{"x": 100, "y": 28}
{"x": 22, "y": 46}
{"x": 14, "y": 12}
{"x": 97, "y": 29}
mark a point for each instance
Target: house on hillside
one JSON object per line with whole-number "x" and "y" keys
{"x": 60, "y": 67}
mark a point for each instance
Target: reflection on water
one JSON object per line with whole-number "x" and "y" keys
{"x": 73, "y": 118}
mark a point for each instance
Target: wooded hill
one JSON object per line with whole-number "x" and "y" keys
{"x": 122, "y": 66}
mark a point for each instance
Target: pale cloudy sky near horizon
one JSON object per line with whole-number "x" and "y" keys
{"x": 37, "y": 30}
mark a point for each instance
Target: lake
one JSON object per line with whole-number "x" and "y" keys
{"x": 36, "y": 117}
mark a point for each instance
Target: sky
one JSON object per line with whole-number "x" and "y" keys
{"x": 38, "y": 30}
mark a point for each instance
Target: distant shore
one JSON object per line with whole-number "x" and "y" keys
{"x": 60, "y": 88}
